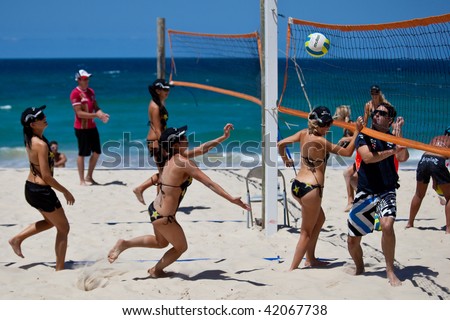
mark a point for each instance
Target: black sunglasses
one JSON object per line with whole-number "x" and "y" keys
{"x": 322, "y": 124}
{"x": 380, "y": 112}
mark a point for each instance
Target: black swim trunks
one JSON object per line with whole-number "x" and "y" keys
{"x": 88, "y": 141}
{"x": 432, "y": 166}
{"x": 41, "y": 197}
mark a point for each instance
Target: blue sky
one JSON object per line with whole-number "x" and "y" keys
{"x": 118, "y": 28}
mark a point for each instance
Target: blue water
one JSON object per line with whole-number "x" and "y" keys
{"x": 121, "y": 90}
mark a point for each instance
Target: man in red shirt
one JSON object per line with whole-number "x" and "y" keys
{"x": 86, "y": 110}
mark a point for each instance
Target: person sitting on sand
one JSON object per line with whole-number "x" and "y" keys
{"x": 60, "y": 158}
{"x": 177, "y": 174}
{"x": 432, "y": 165}
{"x": 307, "y": 187}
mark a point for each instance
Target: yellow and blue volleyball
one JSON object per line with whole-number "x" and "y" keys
{"x": 317, "y": 45}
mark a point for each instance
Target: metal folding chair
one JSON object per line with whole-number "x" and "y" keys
{"x": 255, "y": 176}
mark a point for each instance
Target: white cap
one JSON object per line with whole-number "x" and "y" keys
{"x": 82, "y": 73}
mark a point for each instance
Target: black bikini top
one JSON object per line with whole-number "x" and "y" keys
{"x": 51, "y": 160}
{"x": 182, "y": 186}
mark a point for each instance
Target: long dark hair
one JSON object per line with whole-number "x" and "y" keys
{"x": 166, "y": 151}
{"x": 27, "y": 135}
{"x": 155, "y": 95}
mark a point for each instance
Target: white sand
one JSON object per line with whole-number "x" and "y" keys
{"x": 225, "y": 260}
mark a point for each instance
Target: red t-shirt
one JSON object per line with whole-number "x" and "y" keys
{"x": 85, "y": 98}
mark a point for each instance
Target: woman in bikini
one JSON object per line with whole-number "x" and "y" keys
{"x": 307, "y": 187}
{"x": 176, "y": 176}
{"x": 192, "y": 153}
{"x": 38, "y": 187}
{"x": 158, "y": 117}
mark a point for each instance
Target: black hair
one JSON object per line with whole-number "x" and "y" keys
{"x": 391, "y": 110}
{"x": 27, "y": 135}
{"x": 166, "y": 150}
{"x": 154, "y": 94}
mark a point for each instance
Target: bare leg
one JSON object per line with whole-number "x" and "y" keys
{"x": 416, "y": 201}
{"x": 446, "y": 191}
{"x": 59, "y": 220}
{"x": 148, "y": 241}
{"x": 92, "y": 163}
{"x": 311, "y": 260}
{"x": 80, "y": 166}
{"x": 355, "y": 250}
{"x": 174, "y": 234}
{"x": 310, "y": 214}
{"x": 348, "y": 173}
{"x": 165, "y": 233}
{"x": 388, "y": 246}
{"x": 29, "y": 231}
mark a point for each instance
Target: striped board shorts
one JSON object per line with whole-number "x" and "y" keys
{"x": 361, "y": 217}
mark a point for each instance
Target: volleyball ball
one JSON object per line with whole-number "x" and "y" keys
{"x": 317, "y": 45}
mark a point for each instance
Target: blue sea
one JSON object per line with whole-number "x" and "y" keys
{"x": 121, "y": 90}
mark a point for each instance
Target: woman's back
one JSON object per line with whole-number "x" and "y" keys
{"x": 313, "y": 158}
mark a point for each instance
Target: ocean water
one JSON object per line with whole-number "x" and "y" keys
{"x": 121, "y": 90}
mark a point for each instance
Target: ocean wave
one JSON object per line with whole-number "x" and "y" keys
{"x": 6, "y": 107}
{"x": 16, "y": 157}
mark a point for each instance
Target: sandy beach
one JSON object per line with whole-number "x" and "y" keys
{"x": 225, "y": 260}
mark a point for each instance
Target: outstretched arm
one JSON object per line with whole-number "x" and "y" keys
{"x": 348, "y": 150}
{"x": 199, "y": 175}
{"x": 205, "y": 147}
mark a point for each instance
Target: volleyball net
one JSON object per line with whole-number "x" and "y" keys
{"x": 224, "y": 63}
{"x": 408, "y": 60}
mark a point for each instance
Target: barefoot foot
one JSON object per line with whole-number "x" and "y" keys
{"x": 139, "y": 195}
{"x": 116, "y": 251}
{"x": 393, "y": 280}
{"x": 16, "y": 247}
{"x": 348, "y": 207}
{"x": 90, "y": 181}
{"x": 156, "y": 273}
{"x": 354, "y": 271}
{"x": 316, "y": 263}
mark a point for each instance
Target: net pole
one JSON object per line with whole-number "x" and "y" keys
{"x": 160, "y": 50}
{"x": 269, "y": 14}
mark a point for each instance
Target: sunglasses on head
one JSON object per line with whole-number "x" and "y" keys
{"x": 380, "y": 112}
